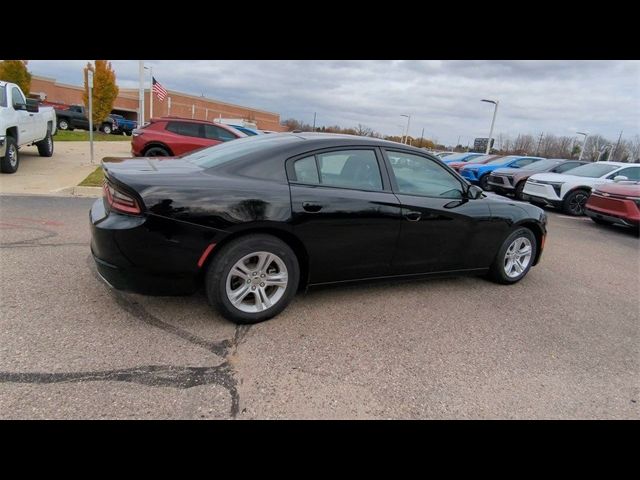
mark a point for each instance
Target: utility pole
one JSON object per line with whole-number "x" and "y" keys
{"x": 422, "y": 138}
{"x": 314, "y": 121}
{"x": 141, "y": 94}
{"x": 90, "y": 85}
{"x": 458, "y": 143}
{"x": 539, "y": 142}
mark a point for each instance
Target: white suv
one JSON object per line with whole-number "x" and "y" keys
{"x": 571, "y": 190}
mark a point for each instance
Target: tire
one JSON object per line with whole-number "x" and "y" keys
{"x": 519, "y": 189}
{"x": 157, "y": 152}
{"x": 11, "y": 159}
{"x": 63, "y": 124}
{"x": 574, "y": 202}
{"x": 505, "y": 272}
{"x": 106, "y": 128}
{"x": 45, "y": 146}
{"x": 221, "y": 283}
{"x": 484, "y": 182}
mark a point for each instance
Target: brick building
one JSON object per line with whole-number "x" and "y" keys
{"x": 182, "y": 104}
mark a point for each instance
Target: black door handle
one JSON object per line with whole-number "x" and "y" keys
{"x": 413, "y": 216}
{"x": 311, "y": 207}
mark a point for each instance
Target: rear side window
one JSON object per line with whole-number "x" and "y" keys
{"x": 216, "y": 133}
{"x": 357, "y": 169}
{"x": 187, "y": 129}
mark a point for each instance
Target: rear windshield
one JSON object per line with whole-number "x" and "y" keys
{"x": 224, "y": 152}
{"x": 3, "y": 97}
{"x": 593, "y": 170}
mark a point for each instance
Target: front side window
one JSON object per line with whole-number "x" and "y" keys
{"x": 632, "y": 173}
{"x": 418, "y": 175}
{"x": 185, "y": 128}
{"x": 16, "y": 97}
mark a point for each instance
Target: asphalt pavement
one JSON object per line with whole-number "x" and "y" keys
{"x": 563, "y": 343}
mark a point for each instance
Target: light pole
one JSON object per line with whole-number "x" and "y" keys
{"x": 150, "y": 91}
{"x": 90, "y": 85}
{"x": 141, "y": 93}
{"x": 404, "y": 138}
{"x": 493, "y": 121}
{"x": 584, "y": 143}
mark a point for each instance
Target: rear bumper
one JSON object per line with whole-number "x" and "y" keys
{"x": 147, "y": 254}
{"x": 613, "y": 219}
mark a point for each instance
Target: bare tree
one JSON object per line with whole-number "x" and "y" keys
{"x": 363, "y": 130}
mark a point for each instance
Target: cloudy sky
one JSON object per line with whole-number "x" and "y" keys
{"x": 443, "y": 97}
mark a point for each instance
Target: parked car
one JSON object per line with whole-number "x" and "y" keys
{"x": 477, "y": 160}
{"x": 262, "y": 217}
{"x": 512, "y": 180}
{"x": 615, "y": 204}
{"x": 247, "y": 130}
{"x": 76, "y": 117}
{"x": 168, "y": 136}
{"x": 23, "y": 122}
{"x": 479, "y": 174}
{"x": 571, "y": 190}
{"x": 461, "y": 157}
{"x": 122, "y": 124}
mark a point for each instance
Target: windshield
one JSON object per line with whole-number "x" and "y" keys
{"x": 500, "y": 161}
{"x": 479, "y": 159}
{"x": 541, "y": 165}
{"x": 593, "y": 170}
{"x": 224, "y": 152}
{"x": 3, "y": 97}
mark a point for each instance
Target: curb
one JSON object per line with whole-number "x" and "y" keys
{"x": 86, "y": 191}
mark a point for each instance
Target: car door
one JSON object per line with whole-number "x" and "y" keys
{"x": 78, "y": 118}
{"x": 25, "y": 120}
{"x": 344, "y": 212}
{"x": 441, "y": 230}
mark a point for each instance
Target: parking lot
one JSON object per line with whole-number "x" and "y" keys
{"x": 563, "y": 343}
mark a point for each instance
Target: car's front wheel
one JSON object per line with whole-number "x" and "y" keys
{"x": 484, "y": 182}
{"x": 515, "y": 257}
{"x": 252, "y": 278}
{"x": 575, "y": 202}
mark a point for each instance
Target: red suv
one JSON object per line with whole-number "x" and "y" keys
{"x": 615, "y": 203}
{"x": 171, "y": 136}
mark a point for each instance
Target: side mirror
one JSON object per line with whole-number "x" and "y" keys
{"x": 474, "y": 192}
{"x": 32, "y": 106}
{"x": 620, "y": 178}
{"x": 19, "y": 106}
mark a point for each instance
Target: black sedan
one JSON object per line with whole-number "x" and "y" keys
{"x": 260, "y": 218}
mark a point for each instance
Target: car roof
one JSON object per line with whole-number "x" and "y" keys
{"x": 318, "y": 140}
{"x": 619, "y": 164}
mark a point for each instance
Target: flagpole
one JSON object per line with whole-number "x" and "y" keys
{"x": 151, "y": 95}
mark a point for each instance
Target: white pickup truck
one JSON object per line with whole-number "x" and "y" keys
{"x": 23, "y": 122}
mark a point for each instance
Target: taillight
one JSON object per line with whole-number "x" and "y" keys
{"x": 120, "y": 201}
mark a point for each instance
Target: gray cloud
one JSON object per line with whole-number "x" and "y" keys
{"x": 443, "y": 97}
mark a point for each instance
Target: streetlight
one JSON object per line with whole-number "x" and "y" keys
{"x": 407, "y": 130}
{"x": 140, "y": 93}
{"x": 493, "y": 121}
{"x": 151, "y": 91}
{"x": 584, "y": 143}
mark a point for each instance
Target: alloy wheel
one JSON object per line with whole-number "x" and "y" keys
{"x": 257, "y": 282}
{"x": 517, "y": 257}
{"x": 577, "y": 203}
{"x": 12, "y": 154}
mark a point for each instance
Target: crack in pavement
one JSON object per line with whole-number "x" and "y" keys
{"x": 155, "y": 375}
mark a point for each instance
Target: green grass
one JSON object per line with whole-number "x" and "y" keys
{"x": 94, "y": 179}
{"x": 83, "y": 136}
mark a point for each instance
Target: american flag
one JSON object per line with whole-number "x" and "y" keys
{"x": 159, "y": 90}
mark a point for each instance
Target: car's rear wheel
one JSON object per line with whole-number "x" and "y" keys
{"x": 156, "y": 152}
{"x": 515, "y": 257}
{"x": 63, "y": 124}
{"x": 45, "y": 146}
{"x": 252, "y": 278}
{"x": 575, "y": 202}
{"x": 106, "y": 128}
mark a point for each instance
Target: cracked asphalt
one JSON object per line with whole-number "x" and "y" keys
{"x": 563, "y": 343}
